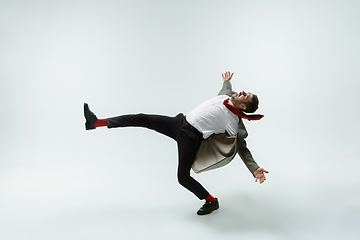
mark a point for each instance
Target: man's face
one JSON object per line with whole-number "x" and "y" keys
{"x": 240, "y": 99}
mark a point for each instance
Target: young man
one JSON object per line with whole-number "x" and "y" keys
{"x": 217, "y": 121}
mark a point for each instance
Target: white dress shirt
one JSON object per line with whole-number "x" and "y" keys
{"x": 213, "y": 117}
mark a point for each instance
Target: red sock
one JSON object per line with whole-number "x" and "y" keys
{"x": 101, "y": 123}
{"x": 210, "y": 198}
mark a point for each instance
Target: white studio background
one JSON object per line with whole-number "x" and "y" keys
{"x": 58, "y": 181}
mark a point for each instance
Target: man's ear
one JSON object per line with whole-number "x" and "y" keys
{"x": 241, "y": 106}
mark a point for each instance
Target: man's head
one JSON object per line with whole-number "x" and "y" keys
{"x": 246, "y": 102}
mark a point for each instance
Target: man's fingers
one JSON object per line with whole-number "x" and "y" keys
{"x": 227, "y": 75}
{"x": 261, "y": 178}
{"x": 263, "y": 170}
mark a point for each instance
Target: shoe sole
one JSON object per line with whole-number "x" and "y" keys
{"x": 201, "y": 214}
{"x": 87, "y": 109}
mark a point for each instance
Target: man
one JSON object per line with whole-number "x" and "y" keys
{"x": 217, "y": 121}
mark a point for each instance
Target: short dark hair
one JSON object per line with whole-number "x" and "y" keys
{"x": 253, "y": 105}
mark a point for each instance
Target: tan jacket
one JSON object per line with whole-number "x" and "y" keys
{"x": 220, "y": 149}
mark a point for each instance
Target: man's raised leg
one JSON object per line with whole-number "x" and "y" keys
{"x": 168, "y": 126}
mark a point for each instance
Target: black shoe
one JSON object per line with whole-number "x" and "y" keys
{"x": 90, "y": 117}
{"x": 208, "y": 207}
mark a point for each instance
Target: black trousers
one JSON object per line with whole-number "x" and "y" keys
{"x": 187, "y": 137}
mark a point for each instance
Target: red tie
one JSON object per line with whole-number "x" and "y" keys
{"x": 240, "y": 113}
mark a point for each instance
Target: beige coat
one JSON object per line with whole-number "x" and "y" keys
{"x": 220, "y": 149}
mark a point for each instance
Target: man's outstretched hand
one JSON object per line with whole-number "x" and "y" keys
{"x": 227, "y": 76}
{"x": 259, "y": 174}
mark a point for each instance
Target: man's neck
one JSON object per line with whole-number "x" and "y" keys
{"x": 230, "y": 102}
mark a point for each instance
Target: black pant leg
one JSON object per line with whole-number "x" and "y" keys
{"x": 168, "y": 126}
{"x": 189, "y": 141}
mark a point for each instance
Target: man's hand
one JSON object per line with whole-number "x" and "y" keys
{"x": 259, "y": 174}
{"x": 227, "y": 76}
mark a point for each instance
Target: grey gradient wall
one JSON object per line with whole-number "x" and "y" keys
{"x": 300, "y": 57}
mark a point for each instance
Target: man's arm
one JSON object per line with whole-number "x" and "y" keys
{"x": 245, "y": 154}
{"x": 227, "y": 88}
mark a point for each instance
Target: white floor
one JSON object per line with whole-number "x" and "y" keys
{"x": 306, "y": 200}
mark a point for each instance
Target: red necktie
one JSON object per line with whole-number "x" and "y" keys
{"x": 240, "y": 113}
